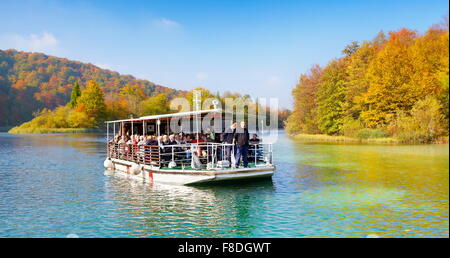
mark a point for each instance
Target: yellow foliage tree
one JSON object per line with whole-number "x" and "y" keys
{"x": 390, "y": 74}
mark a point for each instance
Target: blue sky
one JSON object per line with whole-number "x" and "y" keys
{"x": 259, "y": 47}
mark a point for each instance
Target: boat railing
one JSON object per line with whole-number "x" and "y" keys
{"x": 180, "y": 155}
{"x": 210, "y": 153}
{"x": 141, "y": 154}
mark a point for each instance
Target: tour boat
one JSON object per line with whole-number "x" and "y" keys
{"x": 183, "y": 164}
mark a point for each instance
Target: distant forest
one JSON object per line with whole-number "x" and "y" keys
{"x": 33, "y": 82}
{"x": 42, "y": 93}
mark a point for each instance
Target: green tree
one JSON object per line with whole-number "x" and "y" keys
{"x": 76, "y": 93}
{"x": 331, "y": 97}
{"x": 92, "y": 101}
{"x": 156, "y": 105}
{"x": 133, "y": 95}
{"x": 205, "y": 94}
{"x": 351, "y": 49}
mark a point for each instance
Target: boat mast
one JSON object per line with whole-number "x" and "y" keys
{"x": 143, "y": 127}
{"x": 107, "y": 139}
{"x": 197, "y": 103}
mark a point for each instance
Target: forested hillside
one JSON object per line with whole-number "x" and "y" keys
{"x": 395, "y": 85}
{"x": 31, "y": 82}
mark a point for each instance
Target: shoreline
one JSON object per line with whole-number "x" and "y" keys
{"x": 5, "y": 129}
{"x": 345, "y": 139}
{"x": 17, "y": 130}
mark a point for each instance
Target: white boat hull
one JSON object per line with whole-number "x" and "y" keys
{"x": 185, "y": 177}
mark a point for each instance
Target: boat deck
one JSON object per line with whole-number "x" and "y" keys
{"x": 203, "y": 167}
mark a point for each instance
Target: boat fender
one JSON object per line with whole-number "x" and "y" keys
{"x": 267, "y": 160}
{"x": 108, "y": 164}
{"x": 135, "y": 169}
{"x": 172, "y": 164}
{"x": 223, "y": 164}
{"x": 195, "y": 162}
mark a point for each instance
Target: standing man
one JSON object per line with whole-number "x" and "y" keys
{"x": 228, "y": 137}
{"x": 242, "y": 143}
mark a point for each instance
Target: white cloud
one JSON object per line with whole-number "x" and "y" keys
{"x": 164, "y": 22}
{"x": 201, "y": 76}
{"x": 33, "y": 42}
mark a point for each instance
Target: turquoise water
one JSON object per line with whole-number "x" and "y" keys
{"x": 54, "y": 186}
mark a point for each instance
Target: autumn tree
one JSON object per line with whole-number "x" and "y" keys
{"x": 390, "y": 75}
{"x": 35, "y": 81}
{"x": 156, "y": 105}
{"x": 133, "y": 94}
{"x": 205, "y": 94}
{"x": 394, "y": 85}
{"x": 357, "y": 81}
{"x": 304, "y": 116}
{"x": 92, "y": 101}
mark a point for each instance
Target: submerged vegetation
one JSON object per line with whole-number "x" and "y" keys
{"x": 395, "y": 86}
{"x": 344, "y": 139}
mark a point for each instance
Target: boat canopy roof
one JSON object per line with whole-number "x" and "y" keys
{"x": 179, "y": 114}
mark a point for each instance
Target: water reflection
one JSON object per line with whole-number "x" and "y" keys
{"x": 202, "y": 211}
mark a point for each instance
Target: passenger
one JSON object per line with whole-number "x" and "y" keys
{"x": 187, "y": 149}
{"x": 140, "y": 147}
{"x": 141, "y": 140}
{"x": 113, "y": 149}
{"x": 255, "y": 148}
{"x": 242, "y": 143}
{"x": 151, "y": 140}
{"x": 172, "y": 140}
{"x": 129, "y": 146}
{"x": 254, "y": 139}
{"x": 166, "y": 149}
{"x": 201, "y": 140}
{"x": 160, "y": 142}
{"x": 165, "y": 140}
{"x": 210, "y": 135}
{"x": 227, "y": 138}
{"x": 136, "y": 139}
{"x": 178, "y": 139}
{"x": 122, "y": 140}
{"x": 121, "y": 147}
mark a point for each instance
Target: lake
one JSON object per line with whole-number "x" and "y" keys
{"x": 55, "y": 186}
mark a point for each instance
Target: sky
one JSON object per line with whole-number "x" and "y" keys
{"x": 256, "y": 47}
